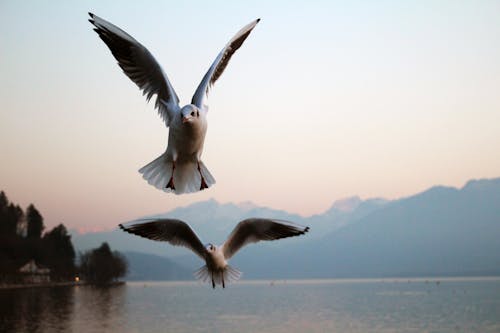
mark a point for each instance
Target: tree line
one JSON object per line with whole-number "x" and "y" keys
{"x": 22, "y": 238}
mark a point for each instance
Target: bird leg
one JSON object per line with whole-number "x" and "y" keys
{"x": 222, "y": 278}
{"x": 203, "y": 182}
{"x": 170, "y": 183}
{"x": 213, "y": 283}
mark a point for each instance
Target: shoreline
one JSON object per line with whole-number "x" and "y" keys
{"x": 55, "y": 284}
{"x": 284, "y": 281}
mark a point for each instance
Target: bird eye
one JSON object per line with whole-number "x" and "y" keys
{"x": 192, "y": 114}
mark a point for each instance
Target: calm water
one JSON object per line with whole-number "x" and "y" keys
{"x": 416, "y": 305}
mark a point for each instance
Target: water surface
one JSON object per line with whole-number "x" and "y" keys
{"x": 390, "y": 305}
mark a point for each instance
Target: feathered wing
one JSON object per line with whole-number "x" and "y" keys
{"x": 257, "y": 229}
{"x": 140, "y": 66}
{"x": 173, "y": 231}
{"x": 220, "y": 63}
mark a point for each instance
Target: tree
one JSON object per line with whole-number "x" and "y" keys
{"x": 11, "y": 251}
{"x": 54, "y": 250}
{"x": 12, "y": 218}
{"x": 10, "y": 215}
{"x": 58, "y": 252}
{"x": 101, "y": 265}
{"x": 35, "y": 222}
{"x": 4, "y": 202}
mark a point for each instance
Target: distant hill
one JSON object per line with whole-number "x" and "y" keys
{"x": 441, "y": 231}
{"x": 148, "y": 267}
{"x": 214, "y": 221}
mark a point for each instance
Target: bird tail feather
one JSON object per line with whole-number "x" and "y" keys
{"x": 186, "y": 177}
{"x": 229, "y": 274}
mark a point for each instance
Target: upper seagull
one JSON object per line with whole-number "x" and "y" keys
{"x": 179, "y": 169}
{"x": 216, "y": 270}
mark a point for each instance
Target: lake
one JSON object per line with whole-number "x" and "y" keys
{"x": 374, "y": 305}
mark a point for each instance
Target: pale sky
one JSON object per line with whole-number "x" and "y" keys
{"x": 326, "y": 99}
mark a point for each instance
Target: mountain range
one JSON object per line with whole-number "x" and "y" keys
{"x": 441, "y": 231}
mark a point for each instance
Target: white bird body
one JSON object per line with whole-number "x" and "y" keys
{"x": 179, "y": 169}
{"x": 217, "y": 270}
{"x": 186, "y": 139}
{"x": 215, "y": 259}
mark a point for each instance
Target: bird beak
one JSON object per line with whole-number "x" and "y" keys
{"x": 185, "y": 119}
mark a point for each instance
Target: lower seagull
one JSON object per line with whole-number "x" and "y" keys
{"x": 216, "y": 270}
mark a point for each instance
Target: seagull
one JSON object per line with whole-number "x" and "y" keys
{"x": 179, "y": 169}
{"x": 216, "y": 270}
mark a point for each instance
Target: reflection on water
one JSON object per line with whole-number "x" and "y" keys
{"x": 36, "y": 310}
{"x": 99, "y": 309}
{"x": 293, "y": 306}
{"x": 61, "y": 309}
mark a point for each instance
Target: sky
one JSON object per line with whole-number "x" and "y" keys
{"x": 325, "y": 100}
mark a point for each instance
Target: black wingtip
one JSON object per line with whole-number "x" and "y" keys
{"x": 306, "y": 229}
{"x": 91, "y": 19}
{"x": 122, "y": 227}
{"x": 258, "y": 20}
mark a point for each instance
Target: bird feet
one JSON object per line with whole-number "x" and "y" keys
{"x": 203, "y": 182}
{"x": 171, "y": 183}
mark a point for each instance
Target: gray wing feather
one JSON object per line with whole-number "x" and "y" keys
{"x": 256, "y": 229}
{"x": 140, "y": 66}
{"x": 173, "y": 231}
{"x": 220, "y": 63}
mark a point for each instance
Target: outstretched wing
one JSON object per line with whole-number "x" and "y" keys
{"x": 256, "y": 229}
{"x": 174, "y": 231}
{"x": 140, "y": 66}
{"x": 220, "y": 63}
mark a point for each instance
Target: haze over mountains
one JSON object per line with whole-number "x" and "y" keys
{"x": 441, "y": 231}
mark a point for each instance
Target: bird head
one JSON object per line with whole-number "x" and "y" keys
{"x": 210, "y": 247}
{"x": 189, "y": 114}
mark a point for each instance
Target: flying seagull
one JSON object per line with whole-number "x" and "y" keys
{"x": 179, "y": 169}
{"x": 216, "y": 270}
